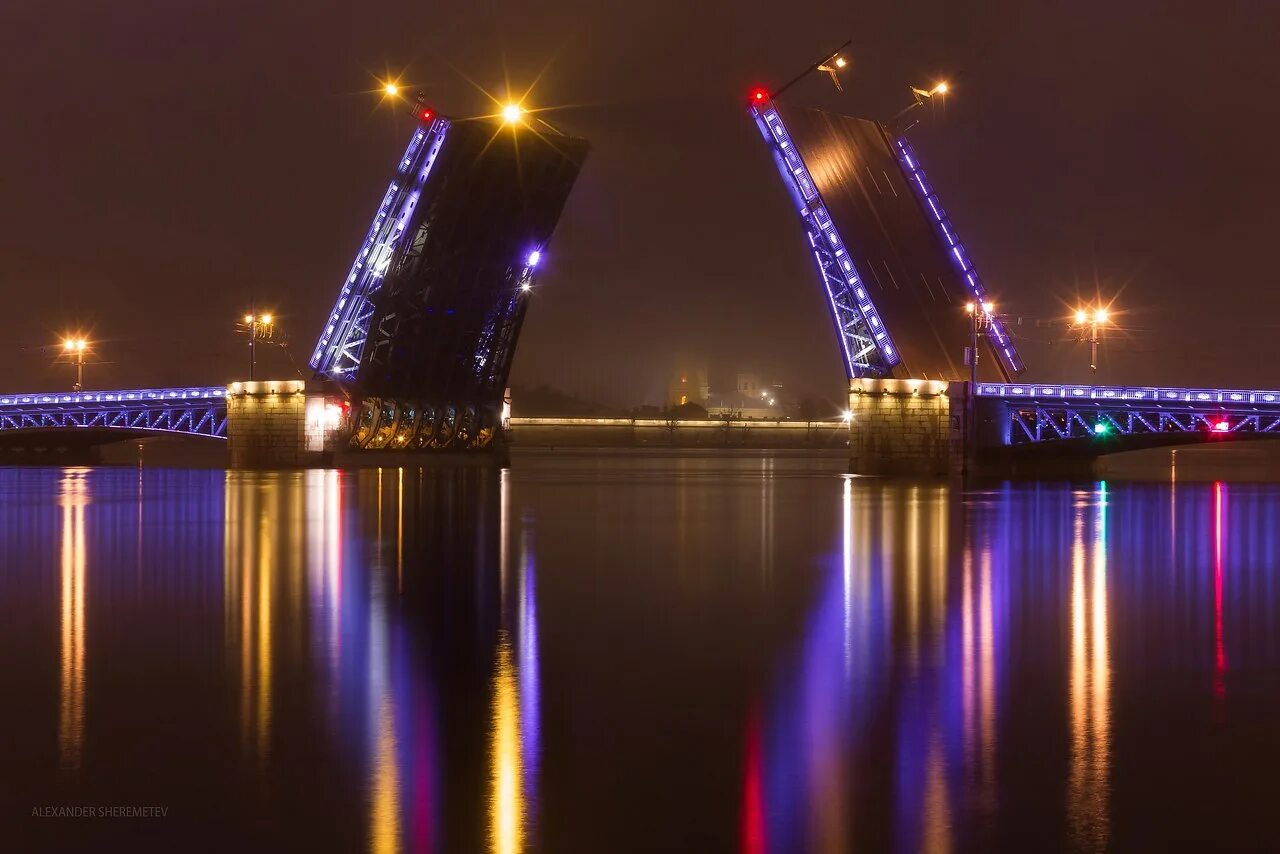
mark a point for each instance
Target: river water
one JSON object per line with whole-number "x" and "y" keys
{"x": 634, "y": 653}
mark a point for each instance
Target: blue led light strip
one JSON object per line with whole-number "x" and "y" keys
{"x": 134, "y": 395}
{"x": 1004, "y": 348}
{"x": 1134, "y": 394}
{"x": 865, "y": 344}
{"x": 339, "y": 348}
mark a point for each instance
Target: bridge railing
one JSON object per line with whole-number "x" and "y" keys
{"x": 1138, "y": 394}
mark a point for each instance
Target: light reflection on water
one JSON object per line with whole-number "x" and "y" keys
{"x": 766, "y": 654}
{"x": 1090, "y": 673}
{"x": 72, "y": 498}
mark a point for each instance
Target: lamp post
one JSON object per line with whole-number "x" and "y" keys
{"x": 75, "y": 347}
{"x": 259, "y": 327}
{"x": 922, "y": 97}
{"x": 980, "y": 318}
{"x": 1088, "y": 321}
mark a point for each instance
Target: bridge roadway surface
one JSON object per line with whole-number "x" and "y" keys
{"x": 1036, "y": 413}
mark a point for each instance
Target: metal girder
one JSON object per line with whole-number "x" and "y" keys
{"x": 491, "y": 361}
{"x": 190, "y": 411}
{"x": 341, "y": 343}
{"x": 1048, "y": 413}
{"x": 865, "y": 344}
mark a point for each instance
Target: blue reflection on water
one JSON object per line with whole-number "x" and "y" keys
{"x": 364, "y": 653}
{"x": 887, "y": 729}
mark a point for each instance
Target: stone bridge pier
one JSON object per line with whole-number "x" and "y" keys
{"x": 921, "y": 427}
{"x": 900, "y": 427}
{"x": 283, "y": 424}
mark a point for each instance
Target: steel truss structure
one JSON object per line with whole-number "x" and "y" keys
{"x": 341, "y": 344}
{"x": 865, "y": 344}
{"x": 399, "y": 424}
{"x": 424, "y": 329}
{"x": 190, "y": 411}
{"x": 1048, "y": 413}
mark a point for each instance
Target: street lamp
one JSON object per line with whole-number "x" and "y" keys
{"x": 75, "y": 347}
{"x": 922, "y": 97}
{"x": 832, "y": 66}
{"x": 511, "y": 113}
{"x": 259, "y": 327}
{"x": 980, "y": 319}
{"x": 1088, "y": 321}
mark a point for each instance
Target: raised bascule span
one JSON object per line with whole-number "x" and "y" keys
{"x": 890, "y": 260}
{"x": 419, "y": 344}
{"x": 898, "y": 279}
{"x": 423, "y": 331}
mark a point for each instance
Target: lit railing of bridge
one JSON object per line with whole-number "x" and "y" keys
{"x": 137, "y": 395}
{"x": 1133, "y": 394}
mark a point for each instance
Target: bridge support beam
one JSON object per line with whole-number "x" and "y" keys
{"x": 282, "y": 424}
{"x": 900, "y": 427}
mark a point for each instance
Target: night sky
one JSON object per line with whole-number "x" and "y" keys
{"x": 165, "y": 163}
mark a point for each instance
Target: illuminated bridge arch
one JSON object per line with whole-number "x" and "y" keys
{"x": 199, "y": 411}
{"x": 1097, "y": 420}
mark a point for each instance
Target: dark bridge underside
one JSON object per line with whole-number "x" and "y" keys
{"x": 63, "y": 445}
{"x": 446, "y": 319}
{"x": 1086, "y": 448}
{"x": 897, "y": 249}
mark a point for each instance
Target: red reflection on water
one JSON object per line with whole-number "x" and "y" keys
{"x": 1219, "y": 647}
{"x": 754, "y": 840}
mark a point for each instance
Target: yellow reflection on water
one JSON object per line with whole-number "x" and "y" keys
{"x": 938, "y": 557}
{"x": 913, "y": 575}
{"x": 400, "y": 529}
{"x": 73, "y": 496}
{"x": 513, "y": 734}
{"x": 1089, "y": 691}
{"x": 936, "y": 837}
{"x": 384, "y": 783}
{"x": 505, "y": 803}
{"x": 978, "y": 673}
{"x": 266, "y": 573}
{"x": 254, "y": 515}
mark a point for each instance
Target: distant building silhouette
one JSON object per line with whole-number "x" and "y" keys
{"x": 688, "y": 385}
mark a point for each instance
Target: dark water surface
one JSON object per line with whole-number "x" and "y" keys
{"x": 634, "y": 653}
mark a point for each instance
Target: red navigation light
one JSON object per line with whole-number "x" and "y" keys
{"x": 759, "y": 95}
{"x": 426, "y": 115}
{"x": 1222, "y": 426}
